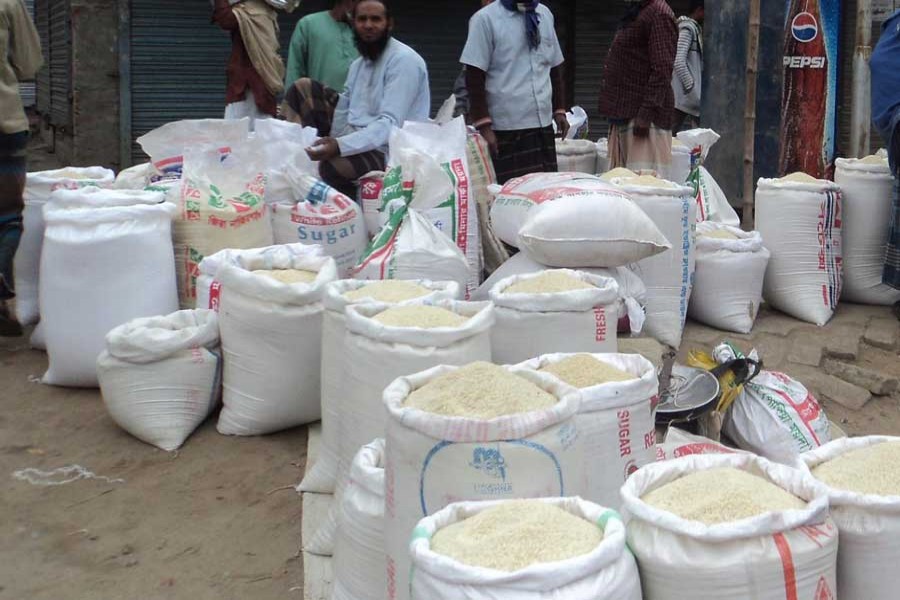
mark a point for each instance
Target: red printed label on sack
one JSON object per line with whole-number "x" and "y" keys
{"x": 624, "y": 418}
{"x": 370, "y": 188}
{"x": 701, "y": 448}
{"x": 215, "y": 291}
{"x": 787, "y": 565}
{"x": 600, "y": 320}
{"x": 830, "y": 253}
{"x": 823, "y": 590}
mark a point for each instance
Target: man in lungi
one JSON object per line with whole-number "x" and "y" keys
{"x": 20, "y": 59}
{"x": 386, "y": 85}
{"x": 637, "y": 94}
{"x": 885, "y": 66}
{"x": 514, "y": 77}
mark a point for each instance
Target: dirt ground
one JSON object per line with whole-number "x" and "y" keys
{"x": 216, "y": 520}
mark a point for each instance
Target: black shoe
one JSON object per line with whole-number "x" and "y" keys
{"x": 9, "y": 327}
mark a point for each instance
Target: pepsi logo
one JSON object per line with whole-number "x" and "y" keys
{"x": 804, "y": 27}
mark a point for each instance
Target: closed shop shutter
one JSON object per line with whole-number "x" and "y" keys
{"x": 27, "y": 90}
{"x": 60, "y": 64}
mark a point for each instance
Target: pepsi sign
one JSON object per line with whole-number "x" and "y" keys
{"x": 804, "y": 27}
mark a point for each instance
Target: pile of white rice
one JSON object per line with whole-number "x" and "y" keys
{"x": 391, "y": 291}
{"x": 516, "y": 535}
{"x": 583, "y": 370}
{"x": 721, "y": 495}
{"x": 870, "y": 470}
{"x": 719, "y": 234}
{"x": 289, "y": 276}
{"x": 479, "y": 391}
{"x": 425, "y": 317}
{"x": 549, "y": 282}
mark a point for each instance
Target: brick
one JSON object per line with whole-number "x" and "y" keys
{"x": 880, "y": 384}
{"x": 772, "y": 349}
{"x": 646, "y": 347}
{"x": 695, "y": 332}
{"x": 806, "y": 349}
{"x": 775, "y": 323}
{"x": 831, "y": 388}
{"x": 842, "y": 342}
{"x": 882, "y": 333}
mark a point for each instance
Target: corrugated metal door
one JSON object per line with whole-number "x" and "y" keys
{"x": 178, "y": 61}
{"x": 42, "y": 22}
{"x": 60, "y": 64}
{"x": 27, "y": 90}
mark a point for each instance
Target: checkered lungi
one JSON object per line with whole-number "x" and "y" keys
{"x": 525, "y": 151}
{"x": 891, "y": 274}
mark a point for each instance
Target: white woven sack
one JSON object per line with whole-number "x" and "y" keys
{"x": 529, "y": 325}
{"x": 680, "y": 443}
{"x": 27, "y": 264}
{"x": 573, "y": 220}
{"x": 869, "y": 527}
{"x": 867, "y": 190}
{"x": 432, "y": 461}
{"x": 133, "y": 178}
{"x": 576, "y": 156}
{"x": 608, "y": 572}
{"x": 801, "y": 224}
{"x": 680, "y": 168}
{"x": 712, "y": 203}
{"x": 322, "y": 476}
{"x": 323, "y": 216}
{"x": 166, "y": 144}
{"x": 728, "y": 280}
{"x": 776, "y": 555}
{"x": 271, "y": 341}
{"x": 102, "y": 267}
{"x": 602, "y": 156}
{"x": 160, "y": 376}
{"x": 775, "y": 416}
{"x": 359, "y": 562}
{"x": 632, "y": 292}
{"x": 668, "y": 276}
{"x": 618, "y": 422}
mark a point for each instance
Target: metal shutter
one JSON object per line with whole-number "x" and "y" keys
{"x": 60, "y": 64}
{"x": 42, "y": 22}
{"x": 27, "y": 90}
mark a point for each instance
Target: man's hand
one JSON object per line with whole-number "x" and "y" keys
{"x": 562, "y": 125}
{"x": 641, "y": 127}
{"x": 487, "y": 132}
{"x": 324, "y": 149}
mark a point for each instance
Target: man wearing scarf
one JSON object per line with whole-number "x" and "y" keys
{"x": 637, "y": 94}
{"x": 515, "y": 83}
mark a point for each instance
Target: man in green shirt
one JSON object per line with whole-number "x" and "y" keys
{"x": 322, "y": 47}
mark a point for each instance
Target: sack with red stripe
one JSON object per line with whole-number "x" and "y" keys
{"x": 778, "y": 555}
{"x": 409, "y": 245}
{"x": 775, "y": 416}
{"x": 712, "y": 203}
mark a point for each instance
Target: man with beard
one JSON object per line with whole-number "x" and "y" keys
{"x": 637, "y": 94}
{"x": 322, "y": 47}
{"x": 515, "y": 83}
{"x": 386, "y": 85}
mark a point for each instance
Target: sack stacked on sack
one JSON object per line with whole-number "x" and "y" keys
{"x": 221, "y": 207}
{"x": 632, "y": 292}
{"x": 801, "y": 219}
{"x": 576, "y": 156}
{"x": 161, "y": 376}
{"x": 271, "y": 340}
{"x": 679, "y": 443}
{"x": 775, "y": 416}
{"x": 374, "y": 355}
{"x": 432, "y": 460}
{"x": 868, "y": 523}
{"x": 617, "y": 420}
{"x": 323, "y": 475}
{"x": 38, "y": 188}
{"x": 481, "y": 169}
{"x": 359, "y": 563}
{"x": 772, "y": 556}
{"x": 712, "y": 203}
{"x": 668, "y": 276}
{"x": 608, "y": 572}
{"x": 102, "y": 266}
{"x": 166, "y": 145}
{"x": 602, "y": 155}
{"x": 574, "y": 220}
{"x": 867, "y": 188}
{"x": 410, "y": 246}
{"x": 728, "y": 281}
{"x": 576, "y": 320}
{"x": 134, "y": 178}
{"x": 369, "y": 196}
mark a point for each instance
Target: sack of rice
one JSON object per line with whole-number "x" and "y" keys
{"x": 27, "y": 264}
{"x": 160, "y": 377}
{"x": 602, "y": 155}
{"x": 800, "y": 219}
{"x": 481, "y": 168}
{"x": 286, "y": 161}
{"x": 729, "y": 526}
{"x": 678, "y": 443}
{"x": 617, "y": 173}
{"x": 867, "y": 188}
{"x": 862, "y": 479}
{"x": 775, "y": 416}
{"x": 359, "y": 562}
{"x": 554, "y": 311}
{"x": 523, "y": 550}
{"x": 220, "y": 206}
{"x": 728, "y": 280}
{"x": 573, "y": 220}
{"x": 576, "y": 156}
{"x": 668, "y": 276}
{"x": 369, "y": 198}
{"x": 712, "y": 203}
{"x": 680, "y": 169}
{"x": 317, "y": 214}
{"x": 336, "y": 298}
{"x": 474, "y": 433}
{"x": 133, "y": 178}
{"x": 617, "y": 419}
{"x": 270, "y": 318}
{"x": 103, "y": 266}
{"x": 632, "y": 292}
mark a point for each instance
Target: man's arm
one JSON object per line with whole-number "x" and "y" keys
{"x": 24, "y": 45}
{"x": 297, "y": 66}
{"x": 685, "y": 38}
{"x": 663, "y": 43}
{"x": 224, "y": 17}
{"x": 557, "y": 81}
